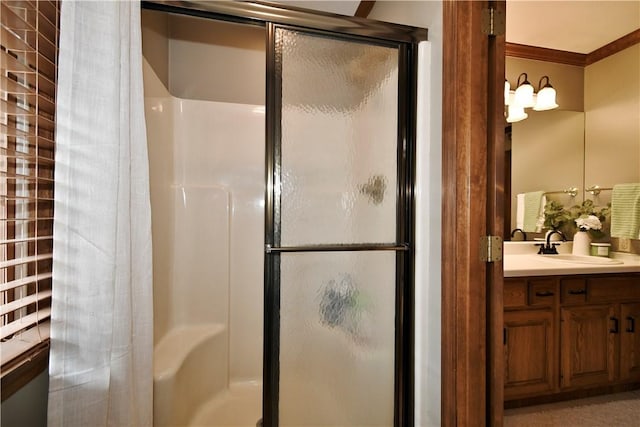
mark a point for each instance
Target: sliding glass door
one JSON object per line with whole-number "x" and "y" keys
{"x": 338, "y": 253}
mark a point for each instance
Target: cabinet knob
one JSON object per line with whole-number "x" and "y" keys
{"x": 577, "y": 291}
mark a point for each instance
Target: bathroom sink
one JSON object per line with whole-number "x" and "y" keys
{"x": 580, "y": 259}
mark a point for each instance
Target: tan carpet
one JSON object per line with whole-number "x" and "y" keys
{"x": 614, "y": 410}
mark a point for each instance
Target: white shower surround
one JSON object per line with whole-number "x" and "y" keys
{"x": 211, "y": 218}
{"x": 208, "y": 204}
{"x": 207, "y": 185}
{"x": 216, "y": 235}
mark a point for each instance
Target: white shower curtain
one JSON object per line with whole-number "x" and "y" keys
{"x": 101, "y": 334}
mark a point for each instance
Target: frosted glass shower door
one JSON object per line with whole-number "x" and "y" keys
{"x": 336, "y": 249}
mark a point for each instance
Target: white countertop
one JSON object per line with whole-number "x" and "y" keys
{"x": 521, "y": 259}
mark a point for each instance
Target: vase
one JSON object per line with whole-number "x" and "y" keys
{"x": 581, "y": 243}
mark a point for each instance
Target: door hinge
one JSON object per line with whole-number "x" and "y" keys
{"x": 493, "y": 22}
{"x": 490, "y": 248}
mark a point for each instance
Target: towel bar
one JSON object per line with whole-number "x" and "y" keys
{"x": 573, "y": 191}
{"x": 596, "y": 189}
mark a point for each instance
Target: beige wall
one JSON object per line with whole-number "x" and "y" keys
{"x": 28, "y": 405}
{"x": 612, "y": 108}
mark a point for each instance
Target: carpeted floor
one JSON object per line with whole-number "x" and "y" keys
{"x": 614, "y": 410}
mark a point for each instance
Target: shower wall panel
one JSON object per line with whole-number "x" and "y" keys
{"x": 200, "y": 280}
{"x": 222, "y": 145}
{"x": 207, "y": 179}
{"x": 199, "y": 146}
{"x": 158, "y": 114}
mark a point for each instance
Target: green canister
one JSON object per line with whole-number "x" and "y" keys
{"x": 600, "y": 249}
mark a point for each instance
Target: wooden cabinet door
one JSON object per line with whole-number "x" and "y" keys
{"x": 630, "y": 341}
{"x": 529, "y": 353}
{"x": 588, "y": 345}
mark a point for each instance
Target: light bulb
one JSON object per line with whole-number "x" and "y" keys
{"x": 507, "y": 89}
{"x": 546, "y": 96}
{"x": 524, "y": 93}
{"x": 516, "y": 113}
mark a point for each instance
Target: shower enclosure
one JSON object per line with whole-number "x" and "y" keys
{"x": 283, "y": 232}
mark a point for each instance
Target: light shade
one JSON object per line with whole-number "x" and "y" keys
{"x": 524, "y": 93}
{"x": 516, "y": 113}
{"x": 507, "y": 89}
{"x": 546, "y": 97}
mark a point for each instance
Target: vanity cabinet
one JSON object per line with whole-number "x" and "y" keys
{"x": 622, "y": 294}
{"x": 588, "y": 345}
{"x": 528, "y": 352}
{"x": 570, "y": 333}
{"x": 530, "y": 337}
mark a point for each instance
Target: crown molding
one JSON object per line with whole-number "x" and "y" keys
{"x": 544, "y": 54}
{"x": 614, "y": 47}
{"x": 516, "y": 50}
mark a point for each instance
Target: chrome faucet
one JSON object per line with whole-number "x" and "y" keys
{"x": 550, "y": 248}
{"x": 516, "y": 230}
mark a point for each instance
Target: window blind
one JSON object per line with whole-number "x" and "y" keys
{"x": 29, "y": 51}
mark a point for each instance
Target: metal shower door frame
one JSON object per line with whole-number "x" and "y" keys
{"x": 403, "y": 246}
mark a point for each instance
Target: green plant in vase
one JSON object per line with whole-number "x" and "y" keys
{"x": 557, "y": 217}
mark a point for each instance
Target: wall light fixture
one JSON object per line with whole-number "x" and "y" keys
{"x": 525, "y": 97}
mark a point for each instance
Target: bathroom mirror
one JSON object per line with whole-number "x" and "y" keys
{"x": 596, "y": 144}
{"x": 547, "y": 153}
{"x": 612, "y": 128}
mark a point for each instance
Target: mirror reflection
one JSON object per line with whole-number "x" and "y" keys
{"x": 592, "y": 139}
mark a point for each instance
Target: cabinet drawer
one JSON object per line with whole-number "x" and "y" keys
{"x": 542, "y": 293}
{"x": 515, "y": 293}
{"x": 613, "y": 289}
{"x": 573, "y": 291}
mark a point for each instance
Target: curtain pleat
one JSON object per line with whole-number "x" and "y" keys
{"x": 102, "y": 317}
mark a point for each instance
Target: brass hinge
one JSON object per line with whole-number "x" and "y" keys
{"x": 493, "y": 22}
{"x": 490, "y": 248}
